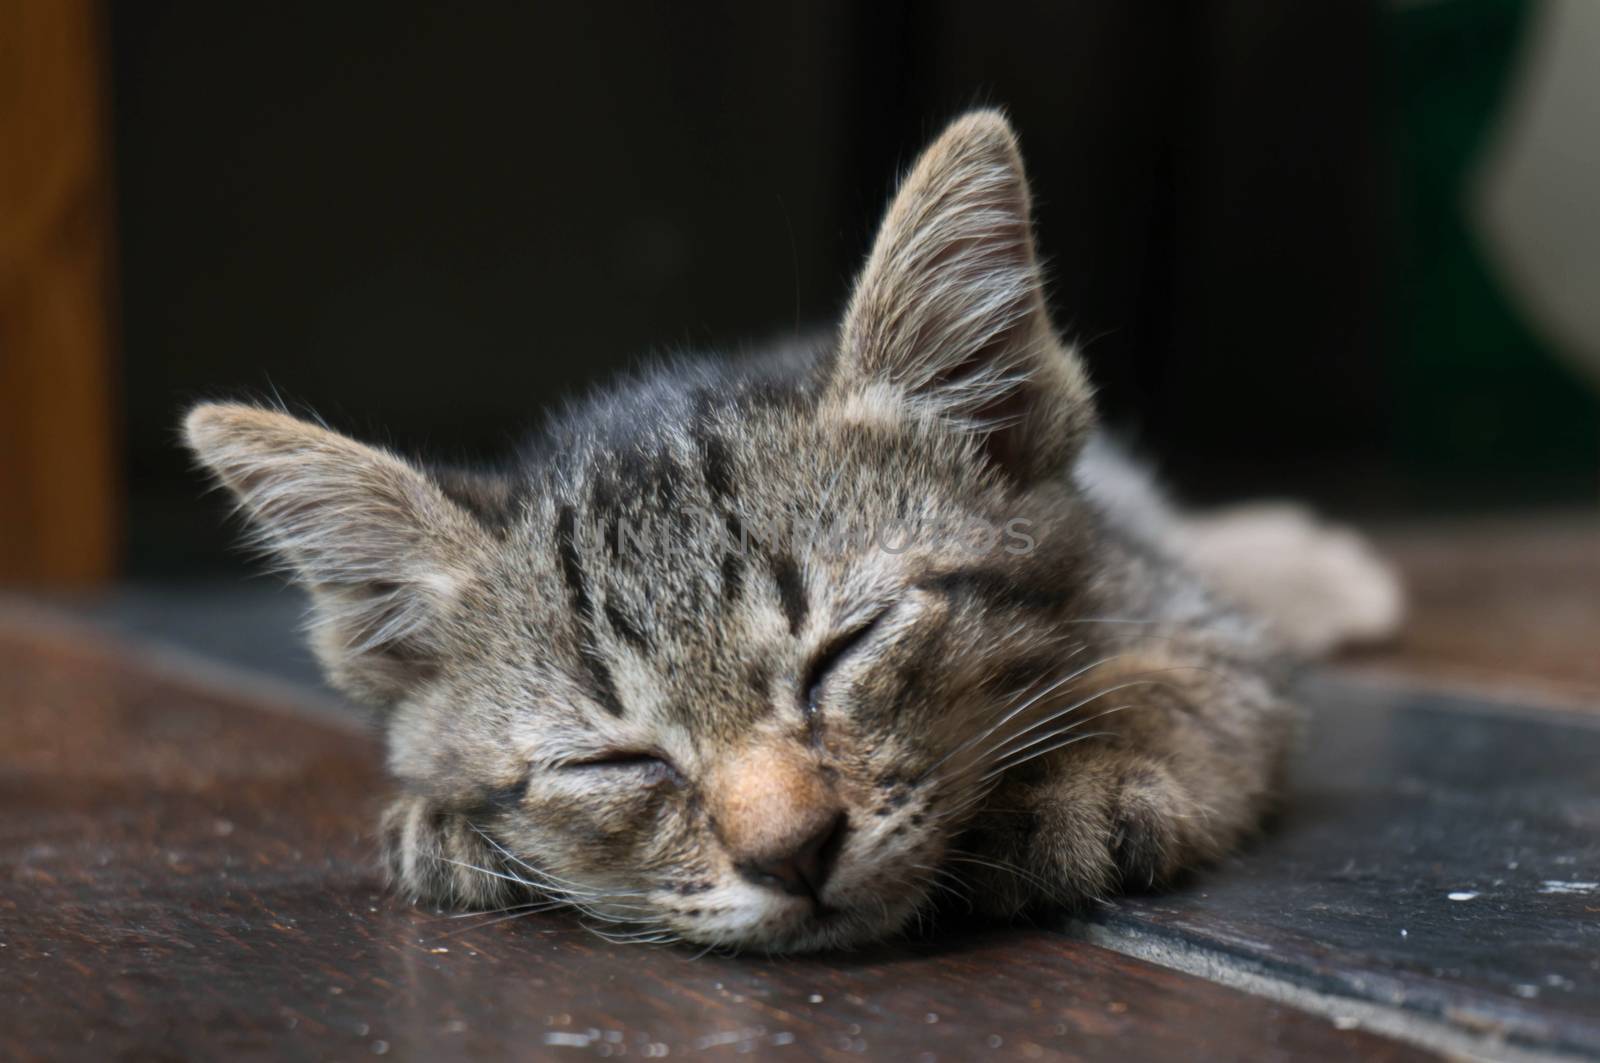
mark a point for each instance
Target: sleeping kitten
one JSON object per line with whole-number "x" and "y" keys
{"x": 773, "y": 655}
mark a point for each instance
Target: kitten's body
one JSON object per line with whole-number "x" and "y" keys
{"x": 638, "y": 671}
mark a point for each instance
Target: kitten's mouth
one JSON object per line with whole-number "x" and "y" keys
{"x": 822, "y": 926}
{"x": 827, "y": 929}
{"x": 813, "y": 914}
{"x": 822, "y": 915}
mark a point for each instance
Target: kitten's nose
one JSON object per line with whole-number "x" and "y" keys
{"x": 778, "y": 818}
{"x": 802, "y": 869}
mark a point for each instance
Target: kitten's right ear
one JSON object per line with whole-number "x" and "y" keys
{"x": 948, "y": 315}
{"x": 383, "y": 551}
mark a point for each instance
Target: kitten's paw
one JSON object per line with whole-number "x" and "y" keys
{"x": 1110, "y": 822}
{"x": 1320, "y": 585}
{"x": 436, "y": 856}
{"x": 1153, "y": 820}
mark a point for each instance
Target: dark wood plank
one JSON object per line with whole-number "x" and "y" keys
{"x": 59, "y": 496}
{"x": 1439, "y": 855}
{"x": 187, "y": 872}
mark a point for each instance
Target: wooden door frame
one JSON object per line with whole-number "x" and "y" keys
{"x": 60, "y": 491}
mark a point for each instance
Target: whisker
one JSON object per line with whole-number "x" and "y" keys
{"x": 1108, "y": 620}
{"x": 999, "y": 748}
{"x": 1140, "y": 680}
{"x": 1056, "y": 732}
{"x": 1003, "y": 768}
{"x": 540, "y": 872}
{"x": 486, "y": 923}
{"x": 537, "y": 906}
{"x": 1013, "y": 713}
{"x": 486, "y": 871}
{"x": 552, "y": 882}
{"x": 1002, "y": 865}
{"x": 942, "y": 878}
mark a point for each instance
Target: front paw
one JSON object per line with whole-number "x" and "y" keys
{"x": 1108, "y": 822}
{"x": 1150, "y": 818}
{"x": 437, "y": 855}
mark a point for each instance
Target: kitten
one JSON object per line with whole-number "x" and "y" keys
{"x": 709, "y": 663}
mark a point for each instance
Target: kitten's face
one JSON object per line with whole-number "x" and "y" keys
{"x": 753, "y": 746}
{"x": 720, "y": 660}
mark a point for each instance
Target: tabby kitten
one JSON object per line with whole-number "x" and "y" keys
{"x": 720, "y": 657}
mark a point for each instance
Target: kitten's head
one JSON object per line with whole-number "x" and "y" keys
{"x": 720, "y": 657}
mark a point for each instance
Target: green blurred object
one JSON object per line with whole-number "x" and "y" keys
{"x": 1482, "y": 403}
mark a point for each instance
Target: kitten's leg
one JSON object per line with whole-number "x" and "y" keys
{"x": 1188, "y": 770}
{"x": 1320, "y": 585}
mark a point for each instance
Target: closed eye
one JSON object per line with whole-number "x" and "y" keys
{"x": 832, "y": 654}
{"x": 652, "y": 765}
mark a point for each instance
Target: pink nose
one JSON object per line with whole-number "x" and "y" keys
{"x": 803, "y": 869}
{"x": 778, "y": 819}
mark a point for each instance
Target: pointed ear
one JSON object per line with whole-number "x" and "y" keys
{"x": 949, "y": 313}
{"x": 380, "y": 547}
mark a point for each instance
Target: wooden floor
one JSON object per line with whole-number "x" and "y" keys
{"x": 1509, "y": 605}
{"x": 186, "y": 871}
{"x": 189, "y": 873}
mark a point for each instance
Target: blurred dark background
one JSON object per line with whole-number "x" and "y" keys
{"x": 430, "y": 222}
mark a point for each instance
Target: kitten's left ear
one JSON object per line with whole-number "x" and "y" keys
{"x": 949, "y": 313}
